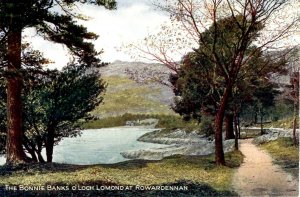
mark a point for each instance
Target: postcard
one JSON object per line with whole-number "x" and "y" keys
{"x": 149, "y": 98}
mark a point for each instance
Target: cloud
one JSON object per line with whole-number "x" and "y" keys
{"x": 57, "y": 53}
{"x": 124, "y": 25}
{"x": 130, "y": 23}
{"x": 133, "y": 20}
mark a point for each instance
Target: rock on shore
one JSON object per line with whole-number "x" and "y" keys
{"x": 176, "y": 137}
{"x": 273, "y": 134}
{"x": 180, "y": 143}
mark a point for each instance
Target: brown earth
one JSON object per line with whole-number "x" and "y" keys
{"x": 258, "y": 176}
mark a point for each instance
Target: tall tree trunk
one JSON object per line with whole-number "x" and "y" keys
{"x": 34, "y": 158}
{"x": 15, "y": 153}
{"x": 239, "y": 127}
{"x": 39, "y": 154}
{"x": 49, "y": 145}
{"x": 294, "y": 131}
{"x": 219, "y": 152}
{"x": 30, "y": 149}
{"x": 295, "y": 141}
{"x": 39, "y": 150}
{"x": 261, "y": 125}
{"x": 236, "y": 141}
{"x": 229, "y": 127}
{"x": 294, "y": 79}
{"x": 255, "y": 118}
{"x": 31, "y": 152}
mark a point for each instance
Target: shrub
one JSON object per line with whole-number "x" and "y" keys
{"x": 206, "y": 126}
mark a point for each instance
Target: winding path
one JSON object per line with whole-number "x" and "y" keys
{"x": 258, "y": 176}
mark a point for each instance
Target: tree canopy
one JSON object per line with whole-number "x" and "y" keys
{"x": 52, "y": 106}
{"x": 225, "y": 51}
{"x": 54, "y": 20}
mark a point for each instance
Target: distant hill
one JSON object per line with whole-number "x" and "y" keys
{"x": 125, "y": 95}
{"x": 142, "y": 95}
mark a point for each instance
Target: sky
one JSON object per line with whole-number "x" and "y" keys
{"x": 133, "y": 20}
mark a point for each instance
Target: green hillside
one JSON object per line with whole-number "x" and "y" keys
{"x": 124, "y": 95}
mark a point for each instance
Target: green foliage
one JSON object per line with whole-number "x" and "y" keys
{"x": 114, "y": 121}
{"x": 234, "y": 159}
{"x": 281, "y": 110}
{"x": 60, "y": 27}
{"x": 221, "y": 44}
{"x": 204, "y": 73}
{"x": 278, "y": 114}
{"x": 285, "y": 154}
{"x": 201, "y": 81}
{"x": 192, "y": 89}
{"x": 32, "y": 67}
{"x": 55, "y": 21}
{"x": 206, "y": 126}
{"x": 52, "y": 106}
{"x": 286, "y": 123}
{"x": 167, "y": 122}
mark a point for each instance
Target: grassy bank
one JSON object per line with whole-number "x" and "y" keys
{"x": 168, "y": 122}
{"x": 286, "y": 123}
{"x": 199, "y": 173}
{"x": 285, "y": 154}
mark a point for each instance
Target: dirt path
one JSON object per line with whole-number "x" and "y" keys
{"x": 258, "y": 176}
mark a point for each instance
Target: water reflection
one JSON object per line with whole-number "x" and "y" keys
{"x": 99, "y": 146}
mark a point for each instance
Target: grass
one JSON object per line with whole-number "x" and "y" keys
{"x": 116, "y": 81}
{"x": 283, "y": 123}
{"x": 114, "y": 121}
{"x": 124, "y": 95}
{"x": 285, "y": 154}
{"x": 168, "y": 122}
{"x": 198, "y": 171}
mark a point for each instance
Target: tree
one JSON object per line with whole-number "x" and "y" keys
{"x": 56, "y": 26}
{"x": 53, "y": 105}
{"x": 264, "y": 98}
{"x": 217, "y": 49}
{"x": 229, "y": 133}
{"x": 197, "y": 95}
{"x": 295, "y": 97}
{"x": 200, "y": 21}
{"x": 192, "y": 88}
{"x": 2, "y": 117}
{"x": 293, "y": 92}
{"x": 32, "y": 63}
